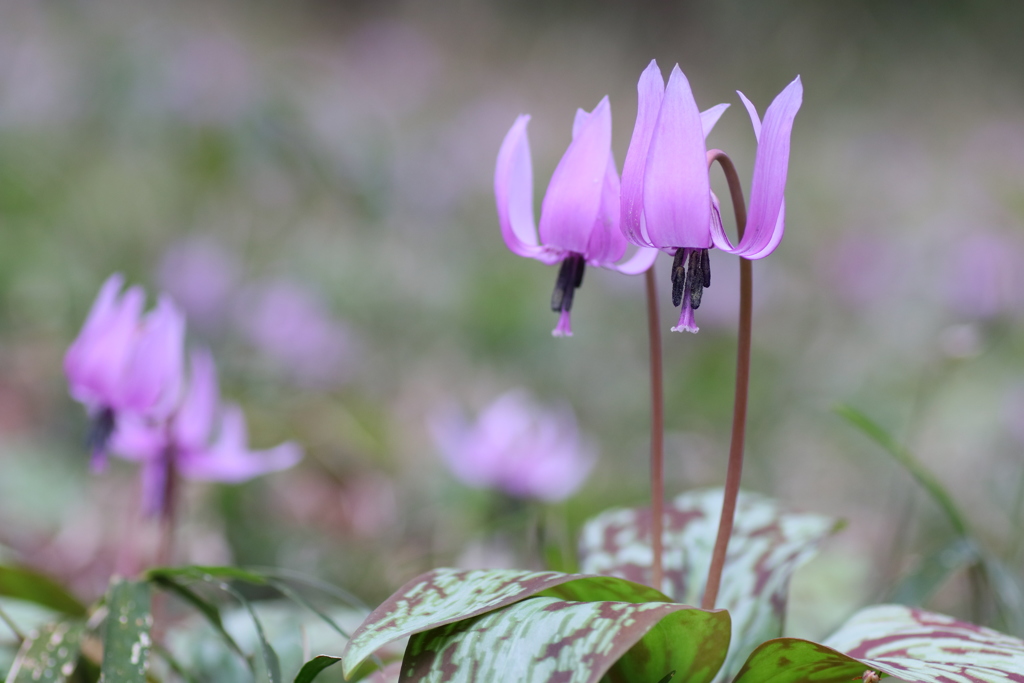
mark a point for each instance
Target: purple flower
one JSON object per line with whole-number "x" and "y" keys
{"x": 124, "y": 364}
{"x": 579, "y": 215}
{"x": 184, "y": 442}
{"x": 516, "y": 446}
{"x": 202, "y": 276}
{"x": 667, "y": 201}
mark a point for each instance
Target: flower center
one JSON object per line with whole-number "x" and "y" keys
{"x": 691, "y": 273}
{"x": 570, "y": 276}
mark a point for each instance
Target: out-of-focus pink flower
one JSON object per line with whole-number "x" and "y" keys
{"x": 290, "y": 326}
{"x": 579, "y": 218}
{"x": 201, "y": 275}
{"x": 186, "y": 443}
{"x": 124, "y": 365}
{"x": 991, "y": 281}
{"x": 666, "y": 191}
{"x": 516, "y": 446}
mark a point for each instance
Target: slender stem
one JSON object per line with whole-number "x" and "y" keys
{"x": 739, "y": 410}
{"x": 657, "y": 431}
{"x": 165, "y": 551}
{"x": 11, "y": 625}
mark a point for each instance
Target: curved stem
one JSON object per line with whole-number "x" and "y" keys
{"x": 12, "y": 626}
{"x": 657, "y": 431}
{"x": 739, "y": 411}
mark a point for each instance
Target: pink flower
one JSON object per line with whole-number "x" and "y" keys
{"x": 579, "y": 218}
{"x": 667, "y": 201}
{"x": 185, "y": 443}
{"x": 124, "y": 364}
{"x": 516, "y": 446}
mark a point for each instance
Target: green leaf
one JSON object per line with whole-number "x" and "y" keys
{"x": 444, "y": 596}
{"x": 926, "y": 479}
{"x": 766, "y": 547}
{"x": 934, "y": 570}
{"x": 544, "y": 639}
{"x": 904, "y": 642}
{"x": 311, "y": 669}
{"x": 300, "y": 599}
{"x": 206, "y": 608}
{"x": 25, "y": 584}
{"x": 206, "y": 573}
{"x": 270, "y": 659}
{"x": 126, "y": 642}
{"x": 49, "y": 655}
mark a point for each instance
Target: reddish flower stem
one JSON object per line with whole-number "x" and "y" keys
{"x": 657, "y": 431}
{"x": 739, "y": 411}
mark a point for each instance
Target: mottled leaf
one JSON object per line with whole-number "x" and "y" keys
{"x": 443, "y": 596}
{"x": 126, "y": 641}
{"x": 49, "y": 655}
{"x": 766, "y": 547}
{"x": 311, "y": 669}
{"x": 26, "y": 584}
{"x": 545, "y": 639}
{"x": 910, "y": 644}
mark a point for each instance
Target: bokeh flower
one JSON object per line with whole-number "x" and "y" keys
{"x": 184, "y": 444}
{"x": 202, "y": 277}
{"x": 516, "y": 446}
{"x": 579, "y": 219}
{"x": 124, "y": 365}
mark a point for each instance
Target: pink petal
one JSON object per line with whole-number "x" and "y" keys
{"x": 194, "y": 418}
{"x": 650, "y": 93}
{"x": 677, "y": 204}
{"x": 152, "y": 377}
{"x": 638, "y": 263}
{"x": 513, "y": 193}
{"x": 607, "y": 244}
{"x": 709, "y": 117}
{"x": 96, "y": 361}
{"x": 229, "y": 459}
{"x": 573, "y": 198}
{"x": 755, "y": 120}
{"x": 137, "y": 439}
{"x": 766, "y": 213}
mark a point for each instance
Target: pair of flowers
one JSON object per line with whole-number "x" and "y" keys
{"x": 128, "y": 370}
{"x": 663, "y": 201}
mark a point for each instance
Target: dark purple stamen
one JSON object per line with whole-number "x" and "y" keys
{"x": 100, "y": 431}
{"x": 570, "y": 277}
{"x": 691, "y": 272}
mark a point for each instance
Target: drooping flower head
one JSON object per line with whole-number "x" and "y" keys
{"x": 516, "y": 446}
{"x": 123, "y": 363}
{"x": 201, "y": 439}
{"x": 667, "y": 201}
{"x": 579, "y": 221}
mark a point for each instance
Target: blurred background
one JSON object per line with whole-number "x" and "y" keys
{"x": 312, "y": 183}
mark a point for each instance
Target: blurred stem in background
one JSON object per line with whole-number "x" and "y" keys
{"x": 739, "y": 411}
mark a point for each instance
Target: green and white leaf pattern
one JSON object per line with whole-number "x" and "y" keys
{"x": 544, "y": 639}
{"x": 126, "y": 641}
{"x": 908, "y": 643}
{"x": 48, "y": 656}
{"x": 443, "y": 596}
{"x": 768, "y": 544}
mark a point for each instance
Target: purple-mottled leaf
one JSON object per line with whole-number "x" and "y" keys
{"x": 444, "y": 596}
{"x": 766, "y": 547}
{"x": 545, "y": 639}
{"x": 910, "y": 644}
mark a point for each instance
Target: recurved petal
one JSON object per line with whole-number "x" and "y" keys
{"x": 766, "y": 214}
{"x": 193, "y": 421}
{"x": 229, "y": 459}
{"x": 513, "y": 194}
{"x": 650, "y": 93}
{"x": 709, "y": 117}
{"x": 638, "y": 262}
{"x": 573, "y": 199}
{"x": 677, "y": 203}
{"x": 755, "y": 119}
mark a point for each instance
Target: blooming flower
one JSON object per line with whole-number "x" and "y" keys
{"x": 516, "y": 446}
{"x": 667, "y": 201}
{"x": 123, "y": 364}
{"x": 183, "y": 442}
{"x": 579, "y": 219}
